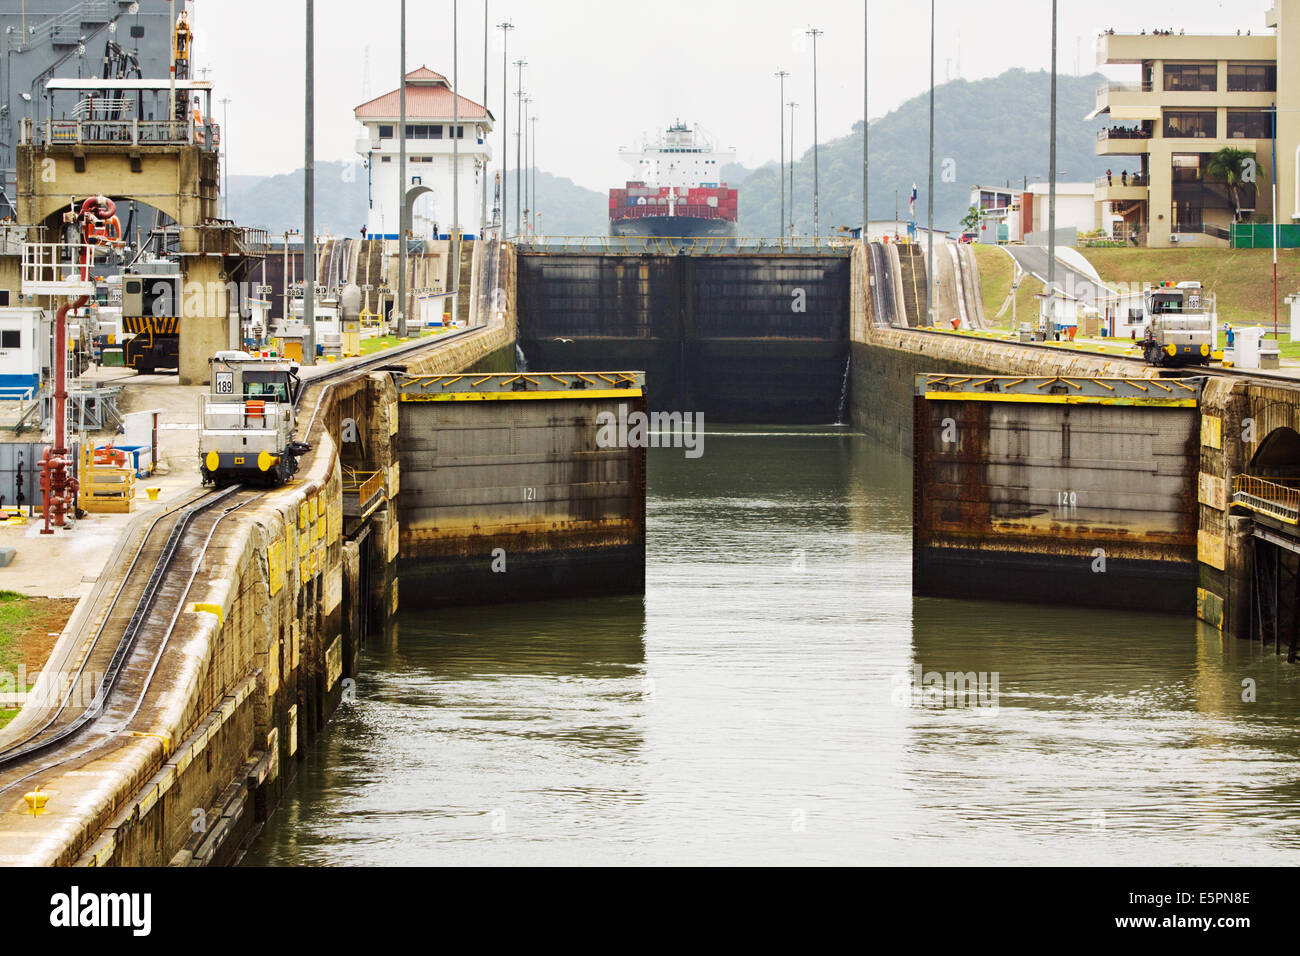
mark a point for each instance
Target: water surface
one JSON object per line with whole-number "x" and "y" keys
{"x": 754, "y": 707}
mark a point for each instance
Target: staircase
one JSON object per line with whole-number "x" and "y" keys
{"x": 466, "y": 268}
{"x": 916, "y": 301}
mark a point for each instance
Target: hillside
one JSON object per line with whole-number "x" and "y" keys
{"x": 341, "y": 202}
{"x": 987, "y": 132}
{"x": 1241, "y": 279}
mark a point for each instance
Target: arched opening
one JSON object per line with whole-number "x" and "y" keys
{"x": 1278, "y": 456}
{"x": 1273, "y": 478}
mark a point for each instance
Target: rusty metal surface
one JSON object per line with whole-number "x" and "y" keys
{"x": 1056, "y": 480}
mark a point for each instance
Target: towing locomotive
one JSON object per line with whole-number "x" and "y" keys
{"x": 1180, "y": 325}
{"x": 248, "y": 420}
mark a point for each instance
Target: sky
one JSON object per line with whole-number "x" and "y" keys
{"x": 603, "y": 73}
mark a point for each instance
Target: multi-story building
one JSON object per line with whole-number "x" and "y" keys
{"x": 437, "y": 133}
{"x": 1193, "y": 96}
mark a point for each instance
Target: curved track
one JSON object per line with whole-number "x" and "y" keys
{"x": 96, "y": 704}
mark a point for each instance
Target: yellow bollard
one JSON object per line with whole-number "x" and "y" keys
{"x": 36, "y": 801}
{"x": 153, "y": 493}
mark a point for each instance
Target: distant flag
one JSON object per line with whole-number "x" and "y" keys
{"x": 911, "y": 202}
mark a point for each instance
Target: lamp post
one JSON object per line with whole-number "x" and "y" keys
{"x": 309, "y": 195}
{"x": 456, "y": 229}
{"x": 225, "y": 158}
{"x": 866, "y": 120}
{"x": 930, "y": 267}
{"x": 505, "y": 27}
{"x": 532, "y": 162}
{"x": 482, "y": 212}
{"x": 1051, "y": 195}
{"x": 781, "y": 75}
{"x": 519, "y": 159}
{"x": 524, "y": 171}
{"x": 790, "y": 226}
{"x": 401, "y": 185}
{"x": 815, "y": 33}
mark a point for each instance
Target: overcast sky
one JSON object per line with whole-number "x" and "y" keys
{"x": 603, "y": 72}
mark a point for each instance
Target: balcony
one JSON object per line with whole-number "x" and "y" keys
{"x": 1122, "y": 141}
{"x": 1117, "y": 189}
{"x": 1114, "y": 48}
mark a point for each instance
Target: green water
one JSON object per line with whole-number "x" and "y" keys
{"x": 753, "y": 707}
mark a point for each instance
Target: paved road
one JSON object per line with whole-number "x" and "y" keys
{"x": 1034, "y": 259}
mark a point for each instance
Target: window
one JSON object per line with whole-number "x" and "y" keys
{"x": 1193, "y": 77}
{"x": 386, "y": 132}
{"x": 1250, "y": 124}
{"x": 435, "y": 132}
{"x": 385, "y": 159}
{"x": 1198, "y": 124}
{"x": 417, "y": 132}
{"x": 1186, "y": 167}
{"x": 11, "y": 339}
{"x": 1252, "y": 77}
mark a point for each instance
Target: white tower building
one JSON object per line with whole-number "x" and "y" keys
{"x": 430, "y": 128}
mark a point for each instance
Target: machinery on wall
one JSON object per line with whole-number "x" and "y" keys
{"x": 97, "y": 224}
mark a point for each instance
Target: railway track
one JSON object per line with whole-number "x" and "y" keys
{"x": 94, "y": 705}
{"x": 97, "y": 702}
{"x": 1195, "y": 371}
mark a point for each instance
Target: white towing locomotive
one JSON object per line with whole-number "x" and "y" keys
{"x": 1180, "y": 325}
{"x": 248, "y": 421}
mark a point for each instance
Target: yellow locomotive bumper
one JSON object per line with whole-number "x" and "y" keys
{"x": 263, "y": 461}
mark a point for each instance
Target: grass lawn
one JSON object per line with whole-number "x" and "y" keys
{"x": 1241, "y": 279}
{"x": 997, "y": 272}
{"x": 16, "y": 613}
{"x": 380, "y": 342}
{"x": 29, "y": 628}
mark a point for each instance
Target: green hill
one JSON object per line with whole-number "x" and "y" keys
{"x": 987, "y": 132}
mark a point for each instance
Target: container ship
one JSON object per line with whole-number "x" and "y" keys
{"x": 678, "y": 192}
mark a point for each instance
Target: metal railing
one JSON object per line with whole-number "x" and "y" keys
{"x": 1124, "y": 86}
{"x": 1122, "y": 132}
{"x": 360, "y": 488}
{"x": 55, "y": 268}
{"x": 136, "y": 132}
{"x": 1103, "y": 182}
{"x": 65, "y": 26}
{"x": 661, "y": 245}
{"x": 1267, "y": 497}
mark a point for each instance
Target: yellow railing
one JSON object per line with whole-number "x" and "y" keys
{"x": 364, "y": 484}
{"x": 1267, "y": 497}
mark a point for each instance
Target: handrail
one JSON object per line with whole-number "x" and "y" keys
{"x": 1267, "y": 497}
{"x": 366, "y": 484}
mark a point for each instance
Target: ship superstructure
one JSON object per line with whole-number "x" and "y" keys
{"x": 678, "y": 191}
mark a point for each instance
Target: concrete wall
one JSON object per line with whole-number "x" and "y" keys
{"x": 739, "y": 338}
{"x": 263, "y": 652}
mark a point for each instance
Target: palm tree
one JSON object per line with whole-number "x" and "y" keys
{"x": 1229, "y": 165}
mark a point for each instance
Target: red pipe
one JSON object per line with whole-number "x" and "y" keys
{"x": 58, "y": 490}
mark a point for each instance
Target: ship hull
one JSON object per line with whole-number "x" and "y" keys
{"x": 673, "y": 227}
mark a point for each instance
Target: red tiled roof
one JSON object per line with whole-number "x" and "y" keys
{"x": 428, "y": 97}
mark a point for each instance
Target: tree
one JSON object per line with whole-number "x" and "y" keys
{"x": 1234, "y": 167}
{"x": 972, "y": 219}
